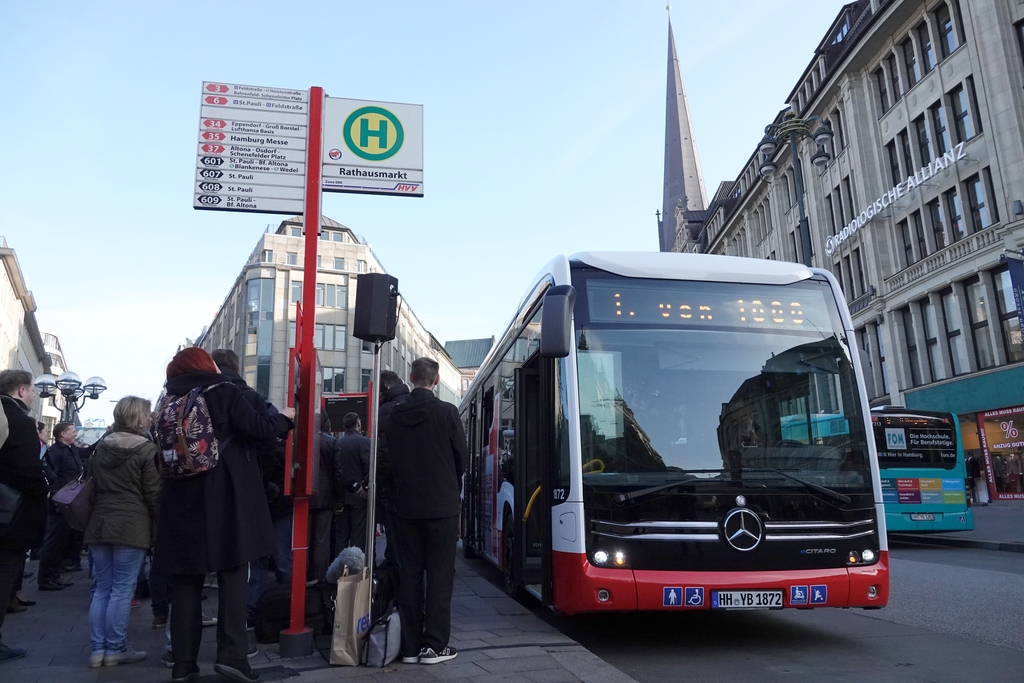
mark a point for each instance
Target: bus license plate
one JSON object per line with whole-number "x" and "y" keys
{"x": 746, "y": 599}
{"x": 922, "y": 517}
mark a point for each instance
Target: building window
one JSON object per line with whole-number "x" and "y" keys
{"x": 880, "y": 340}
{"x": 360, "y": 266}
{"x": 260, "y": 333}
{"x": 954, "y": 333}
{"x": 329, "y": 337}
{"x": 977, "y": 313}
{"x": 923, "y": 146}
{"x": 938, "y": 227}
{"x": 942, "y": 141}
{"x": 338, "y": 236}
{"x": 947, "y": 35}
{"x": 980, "y": 217}
{"x": 331, "y": 296}
{"x": 339, "y": 264}
{"x": 334, "y": 380}
{"x": 1020, "y": 38}
{"x": 840, "y": 133}
{"x": 961, "y": 114}
{"x": 838, "y": 271}
{"x": 293, "y": 258}
{"x": 267, "y": 256}
{"x": 785, "y": 187}
{"x": 957, "y": 226}
{"x": 296, "y": 232}
{"x": 931, "y": 339}
{"x": 883, "y": 91}
{"x": 910, "y": 335}
{"x": 1008, "y": 319}
{"x": 917, "y": 225}
{"x": 849, "y": 197}
{"x": 861, "y": 284}
{"x": 894, "y": 162}
{"x": 910, "y": 62}
{"x": 296, "y": 291}
{"x": 894, "y": 78}
{"x": 291, "y": 334}
{"x": 907, "y": 156}
{"x": 907, "y": 242}
{"x": 367, "y": 346}
{"x": 851, "y": 293}
{"x": 325, "y": 235}
{"x": 831, "y": 212}
{"x": 924, "y": 42}
{"x": 364, "y": 383}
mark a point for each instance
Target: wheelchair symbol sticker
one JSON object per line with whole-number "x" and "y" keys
{"x": 694, "y": 597}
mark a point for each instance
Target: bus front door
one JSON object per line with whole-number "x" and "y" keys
{"x": 533, "y": 432}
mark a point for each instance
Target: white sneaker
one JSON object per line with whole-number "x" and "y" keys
{"x": 126, "y": 656}
{"x": 415, "y": 659}
{"x": 96, "y": 660}
{"x": 443, "y": 655}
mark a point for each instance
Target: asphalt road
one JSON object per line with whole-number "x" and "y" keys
{"x": 954, "y": 615}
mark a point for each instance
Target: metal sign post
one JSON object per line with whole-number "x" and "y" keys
{"x": 297, "y": 639}
{"x": 371, "y": 486}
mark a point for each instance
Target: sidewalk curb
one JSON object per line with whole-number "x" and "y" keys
{"x": 926, "y": 539}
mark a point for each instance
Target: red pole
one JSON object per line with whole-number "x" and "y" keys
{"x": 307, "y": 366}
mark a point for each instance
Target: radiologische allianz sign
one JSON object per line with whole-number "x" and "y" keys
{"x": 924, "y": 173}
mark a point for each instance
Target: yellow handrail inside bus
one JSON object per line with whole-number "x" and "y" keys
{"x": 595, "y": 464}
{"x": 529, "y": 506}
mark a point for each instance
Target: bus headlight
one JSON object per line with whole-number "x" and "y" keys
{"x": 868, "y": 555}
{"x": 853, "y": 557}
{"x": 620, "y": 558}
{"x": 600, "y": 557}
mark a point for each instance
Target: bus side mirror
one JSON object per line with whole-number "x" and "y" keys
{"x": 556, "y": 322}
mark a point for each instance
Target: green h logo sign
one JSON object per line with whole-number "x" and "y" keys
{"x": 373, "y": 133}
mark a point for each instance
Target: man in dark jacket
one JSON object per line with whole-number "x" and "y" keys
{"x": 21, "y": 471}
{"x": 66, "y": 462}
{"x": 354, "y": 453}
{"x": 424, "y": 445}
{"x": 330, "y": 496}
{"x": 393, "y": 393}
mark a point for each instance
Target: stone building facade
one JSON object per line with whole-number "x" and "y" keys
{"x": 915, "y": 209}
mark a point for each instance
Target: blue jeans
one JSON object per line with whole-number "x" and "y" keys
{"x": 115, "y": 571}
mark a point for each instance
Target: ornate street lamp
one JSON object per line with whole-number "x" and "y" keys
{"x": 74, "y": 391}
{"x": 792, "y": 130}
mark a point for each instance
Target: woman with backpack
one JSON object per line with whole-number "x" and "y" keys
{"x": 127, "y": 491}
{"x": 213, "y": 512}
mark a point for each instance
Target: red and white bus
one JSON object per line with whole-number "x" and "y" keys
{"x": 648, "y": 435}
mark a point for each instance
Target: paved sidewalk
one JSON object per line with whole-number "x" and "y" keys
{"x": 997, "y": 526}
{"x": 498, "y": 640}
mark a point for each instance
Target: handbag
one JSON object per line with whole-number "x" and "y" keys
{"x": 75, "y": 501}
{"x": 10, "y": 501}
{"x": 351, "y": 618}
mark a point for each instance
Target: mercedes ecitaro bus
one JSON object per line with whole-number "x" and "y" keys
{"x": 648, "y": 434}
{"x": 921, "y": 460}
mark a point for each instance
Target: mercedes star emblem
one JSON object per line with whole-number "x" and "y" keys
{"x": 742, "y": 528}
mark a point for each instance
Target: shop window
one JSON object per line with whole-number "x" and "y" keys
{"x": 910, "y": 335}
{"x": 977, "y": 313}
{"x": 957, "y": 226}
{"x": 942, "y": 142}
{"x": 1003, "y": 451}
{"x": 1009, "y": 321}
{"x": 923, "y": 144}
{"x": 924, "y": 43}
{"x": 931, "y": 339}
{"x": 955, "y": 340}
{"x": 910, "y": 62}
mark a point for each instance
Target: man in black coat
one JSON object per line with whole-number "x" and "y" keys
{"x": 423, "y": 446}
{"x": 65, "y": 460}
{"x": 354, "y": 454}
{"x": 22, "y": 471}
{"x": 393, "y": 393}
{"x": 330, "y": 497}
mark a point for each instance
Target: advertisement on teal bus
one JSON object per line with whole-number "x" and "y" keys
{"x": 921, "y": 459}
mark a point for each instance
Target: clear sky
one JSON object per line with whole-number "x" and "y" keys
{"x": 543, "y": 127}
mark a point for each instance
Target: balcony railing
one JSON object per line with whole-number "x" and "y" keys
{"x": 940, "y": 259}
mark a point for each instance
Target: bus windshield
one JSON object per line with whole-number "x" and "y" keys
{"x": 702, "y": 380}
{"x": 915, "y": 440}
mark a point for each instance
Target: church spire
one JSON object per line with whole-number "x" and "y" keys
{"x": 684, "y": 182}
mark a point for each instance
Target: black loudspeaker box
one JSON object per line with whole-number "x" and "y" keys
{"x": 376, "y": 307}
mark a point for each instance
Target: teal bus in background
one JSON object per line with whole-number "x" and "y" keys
{"x": 921, "y": 458}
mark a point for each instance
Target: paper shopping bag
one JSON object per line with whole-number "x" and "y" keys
{"x": 351, "y": 618}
